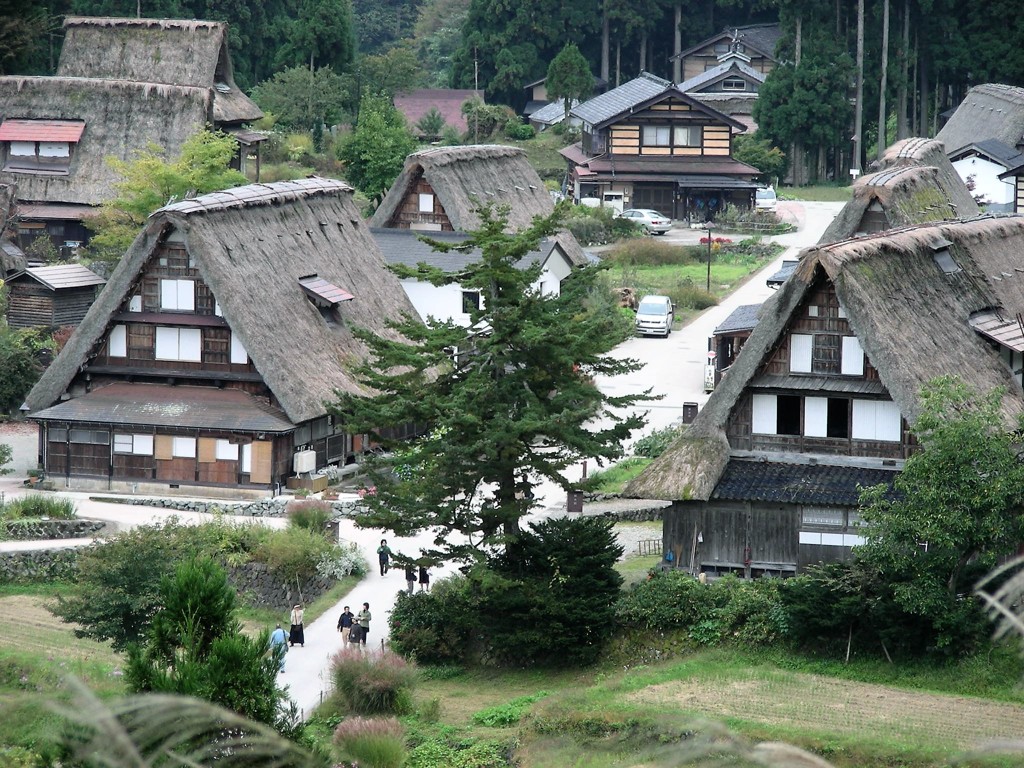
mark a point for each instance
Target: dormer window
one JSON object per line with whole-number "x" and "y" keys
{"x": 39, "y": 146}
{"x": 734, "y": 84}
{"x": 324, "y": 295}
{"x": 943, "y": 258}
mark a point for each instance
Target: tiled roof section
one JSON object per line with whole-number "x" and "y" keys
{"x": 833, "y": 384}
{"x": 324, "y": 290}
{"x": 404, "y": 246}
{"x": 551, "y": 113}
{"x": 448, "y": 101}
{"x": 65, "y": 276}
{"x": 788, "y": 268}
{"x": 994, "y": 149}
{"x": 42, "y": 130}
{"x": 714, "y": 73}
{"x": 763, "y": 37}
{"x": 674, "y": 166}
{"x": 55, "y": 211}
{"x": 618, "y": 100}
{"x": 743, "y": 318}
{"x": 157, "y": 405}
{"x": 256, "y": 194}
{"x": 817, "y": 484}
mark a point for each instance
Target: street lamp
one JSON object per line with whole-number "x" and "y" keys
{"x": 709, "y": 257}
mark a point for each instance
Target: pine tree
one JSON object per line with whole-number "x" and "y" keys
{"x": 569, "y": 77}
{"x": 516, "y": 404}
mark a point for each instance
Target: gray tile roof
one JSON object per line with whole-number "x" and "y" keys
{"x": 618, "y": 100}
{"x": 552, "y": 113}
{"x": 156, "y": 405}
{"x": 708, "y": 76}
{"x": 994, "y": 149}
{"x": 788, "y": 268}
{"x": 743, "y": 318}
{"x": 59, "y": 276}
{"x": 817, "y": 484}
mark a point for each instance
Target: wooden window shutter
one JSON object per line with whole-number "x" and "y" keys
{"x": 207, "y": 450}
{"x": 163, "y": 447}
{"x": 262, "y": 451}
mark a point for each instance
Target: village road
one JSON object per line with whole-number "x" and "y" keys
{"x": 674, "y": 367}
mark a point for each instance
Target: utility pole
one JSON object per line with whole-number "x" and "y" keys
{"x": 476, "y": 90}
{"x": 708, "y": 287}
{"x": 858, "y": 129}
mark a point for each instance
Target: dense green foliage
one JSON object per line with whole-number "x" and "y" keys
{"x": 375, "y": 152}
{"x": 516, "y": 405}
{"x": 569, "y": 77}
{"x": 300, "y": 99}
{"x": 546, "y": 600}
{"x": 321, "y": 35}
{"x": 760, "y": 153}
{"x": 19, "y": 363}
{"x": 6, "y": 454}
{"x": 652, "y": 445}
{"x": 35, "y": 505}
{"x": 195, "y": 648}
{"x": 117, "y": 591}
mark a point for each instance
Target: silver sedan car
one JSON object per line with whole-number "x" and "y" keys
{"x": 654, "y": 222}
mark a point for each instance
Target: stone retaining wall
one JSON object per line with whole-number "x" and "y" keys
{"x": 25, "y": 530}
{"x": 38, "y": 565}
{"x": 636, "y": 515}
{"x": 255, "y": 585}
{"x": 273, "y": 507}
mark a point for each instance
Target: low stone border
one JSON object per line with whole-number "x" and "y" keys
{"x": 27, "y": 530}
{"x": 274, "y": 507}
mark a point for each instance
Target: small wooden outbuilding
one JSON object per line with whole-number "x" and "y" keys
{"x": 51, "y": 296}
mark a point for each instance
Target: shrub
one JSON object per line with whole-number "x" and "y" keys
{"x": 345, "y": 560}
{"x": 505, "y": 715}
{"x": 373, "y": 684}
{"x": 374, "y": 742}
{"x": 657, "y": 442}
{"x": 751, "y": 612}
{"x": 588, "y": 230}
{"x": 37, "y": 505}
{"x": 293, "y": 553}
{"x": 453, "y": 751}
{"x": 686, "y": 294}
{"x": 311, "y": 514}
{"x": 669, "y": 600}
{"x": 519, "y": 131}
{"x": 435, "y": 627}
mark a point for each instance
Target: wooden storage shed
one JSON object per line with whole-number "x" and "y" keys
{"x": 52, "y": 296}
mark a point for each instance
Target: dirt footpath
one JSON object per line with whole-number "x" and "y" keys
{"x": 830, "y": 706}
{"x": 23, "y": 437}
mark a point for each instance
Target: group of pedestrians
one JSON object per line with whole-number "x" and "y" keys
{"x": 384, "y": 555}
{"x": 354, "y": 627}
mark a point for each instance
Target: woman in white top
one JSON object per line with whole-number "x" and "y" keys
{"x": 296, "y": 637}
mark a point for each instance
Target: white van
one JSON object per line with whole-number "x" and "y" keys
{"x": 654, "y": 316}
{"x": 765, "y": 199}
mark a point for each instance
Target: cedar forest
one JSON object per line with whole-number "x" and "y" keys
{"x": 916, "y": 66}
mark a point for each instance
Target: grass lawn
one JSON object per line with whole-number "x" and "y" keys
{"x": 822, "y": 193}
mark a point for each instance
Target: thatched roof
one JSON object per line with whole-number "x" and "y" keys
{"x": 169, "y": 51}
{"x": 120, "y": 116}
{"x": 464, "y": 178}
{"x": 913, "y": 183}
{"x": 989, "y": 111}
{"x": 911, "y": 318}
{"x": 251, "y": 245}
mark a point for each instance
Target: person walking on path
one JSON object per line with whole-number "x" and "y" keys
{"x": 297, "y": 636}
{"x": 384, "y": 556}
{"x": 278, "y": 640}
{"x": 424, "y": 579}
{"x": 410, "y": 577}
{"x": 363, "y": 620}
{"x": 345, "y": 626}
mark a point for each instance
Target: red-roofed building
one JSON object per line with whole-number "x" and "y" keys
{"x": 448, "y": 101}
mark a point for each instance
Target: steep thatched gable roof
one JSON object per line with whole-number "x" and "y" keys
{"x": 170, "y": 51}
{"x": 989, "y": 111}
{"x": 251, "y": 245}
{"x": 120, "y": 116}
{"x": 913, "y": 183}
{"x": 463, "y": 178}
{"x": 912, "y": 320}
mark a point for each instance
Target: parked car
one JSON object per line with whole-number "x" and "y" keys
{"x": 654, "y": 222}
{"x": 765, "y": 199}
{"x": 655, "y": 316}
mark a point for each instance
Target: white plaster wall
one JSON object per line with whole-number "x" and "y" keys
{"x": 986, "y": 179}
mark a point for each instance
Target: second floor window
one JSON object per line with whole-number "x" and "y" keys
{"x": 672, "y": 135}
{"x": 178, "y": 295}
